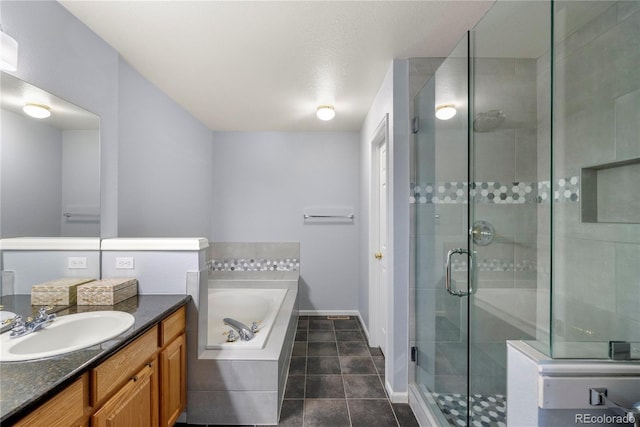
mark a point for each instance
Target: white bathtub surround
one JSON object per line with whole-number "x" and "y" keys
{"x": 542, "y": 391}
{"x": 234, "y": 384}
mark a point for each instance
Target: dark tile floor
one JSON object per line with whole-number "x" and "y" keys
{"x": 336, "y": 380}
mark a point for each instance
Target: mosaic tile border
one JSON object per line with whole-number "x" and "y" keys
{"x": 493, "y": 192}
{"x": 261, "y": 264}
{"x": 495, "y": 265}
{"x": 564, "y": 190}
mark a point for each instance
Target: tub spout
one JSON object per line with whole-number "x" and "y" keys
{"x": 244, "y": 331}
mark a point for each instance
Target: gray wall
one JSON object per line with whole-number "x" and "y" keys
{"x": 31, "y": 177}
{"x": 262, "y": 184}
{"x": 164, "y": 163}
{"x": 392, "y": 99}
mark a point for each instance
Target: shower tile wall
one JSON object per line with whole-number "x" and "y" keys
{"x": 505, "y": 154}
{"x": 596, "y": 273}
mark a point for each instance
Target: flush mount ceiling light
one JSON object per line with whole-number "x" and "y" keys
{"x": 445, "y": 111}
{"x": 9, "y": 49}
{"x": 37, "y": 111}
{"x": 326, "y": 112}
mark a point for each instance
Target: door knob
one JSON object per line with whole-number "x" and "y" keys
{"x": 378, "y": 255}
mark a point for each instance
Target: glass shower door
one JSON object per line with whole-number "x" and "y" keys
{"x": 509, "y": 162}
{"x": 440, "y": 196}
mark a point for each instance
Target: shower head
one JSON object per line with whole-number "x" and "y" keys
{"x": 488, "y": 121}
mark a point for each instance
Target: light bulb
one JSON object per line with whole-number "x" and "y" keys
{"x": 326, "y": 112}
{"x": 446, "y": 111}
{"x": 37, "y": 111}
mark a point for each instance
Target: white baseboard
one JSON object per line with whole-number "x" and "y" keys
{"x": 396, "y": 397}
{"x": 365, "y": 330}
{"x": 355, "y": 313}
{"x": 329, "y": 313}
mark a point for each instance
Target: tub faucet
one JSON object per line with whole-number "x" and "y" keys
{"x": 243, "y": 330}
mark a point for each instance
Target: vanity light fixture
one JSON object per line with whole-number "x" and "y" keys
{"x": 9, "y": 49}
{"x": 445, "y": 111}
{"x": 326, "y": 112}
{"x": 38, "y": 111}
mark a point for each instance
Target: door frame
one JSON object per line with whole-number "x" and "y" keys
{"x": 378, "y": 307}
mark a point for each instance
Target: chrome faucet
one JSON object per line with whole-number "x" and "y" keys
{"x": 246, "y": 333}
{"x": 21, "y": 328}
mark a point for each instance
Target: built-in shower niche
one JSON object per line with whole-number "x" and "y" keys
{"x": 610, "y": 192}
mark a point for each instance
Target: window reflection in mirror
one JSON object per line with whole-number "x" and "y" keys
{"x": 50, "y": 167}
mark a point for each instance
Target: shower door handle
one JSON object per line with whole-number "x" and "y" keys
{"x": 447, "y": 275}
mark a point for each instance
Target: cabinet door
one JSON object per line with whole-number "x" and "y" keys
{"x": 135, "y": 405}
{"x": 65, "y": 409}
{"x": 173, "y": 382}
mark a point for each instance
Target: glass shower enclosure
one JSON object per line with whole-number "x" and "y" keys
{"x": 526, "y": 218}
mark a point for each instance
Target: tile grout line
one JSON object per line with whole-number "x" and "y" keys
{"x": 344, "y": 387}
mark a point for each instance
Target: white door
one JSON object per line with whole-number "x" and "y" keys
{"x": 379, "y": 282}
{"x": 381, "y": 256}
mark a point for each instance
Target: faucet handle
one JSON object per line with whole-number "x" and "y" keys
{"x": 19, "y": 326}
{"x": 8, "y": 321}
{"x": 42, "y": 313}
{"x": 231, "y": 335}
{"x": 255, "y": 326}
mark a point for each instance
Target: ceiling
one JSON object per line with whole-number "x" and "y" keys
{"x": 267, "y": 65}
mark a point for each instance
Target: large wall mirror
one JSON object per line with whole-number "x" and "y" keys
{"x": 50, "y": 167}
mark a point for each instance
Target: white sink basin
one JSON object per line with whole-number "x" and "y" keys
{"x": 66, "y": 334}
{"x": 4, "y": 315}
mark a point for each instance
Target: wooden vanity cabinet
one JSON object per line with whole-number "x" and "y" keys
{"x": 67, "y": 408}
{"x": 135, "y": 404}
{"x": 173, "y": 368}
{"x": 143, "y": 384}
{"x": 117, "y": 370}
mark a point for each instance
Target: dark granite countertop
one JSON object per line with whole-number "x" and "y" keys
{"x": 26, "y": 385}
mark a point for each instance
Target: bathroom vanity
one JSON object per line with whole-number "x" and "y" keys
{"x": 141, "y": 374}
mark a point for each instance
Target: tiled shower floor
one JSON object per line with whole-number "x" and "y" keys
{"x": 336, "y": 380}
{"x": 487, "y": 410}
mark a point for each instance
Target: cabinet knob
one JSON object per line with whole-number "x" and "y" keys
{"x": 378, "y": 255}
{"x": 134, "y": 378}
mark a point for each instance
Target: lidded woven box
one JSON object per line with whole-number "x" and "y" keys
{"x": 61, "y": 291}
{"x": 107, "y": 291}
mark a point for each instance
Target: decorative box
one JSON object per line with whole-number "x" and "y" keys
{"x": 107, "y": 291}
{"x": 61, "y": 291}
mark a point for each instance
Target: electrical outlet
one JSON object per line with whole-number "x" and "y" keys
{"x": 77, "y": 262}
{"x": 124, "y": 263}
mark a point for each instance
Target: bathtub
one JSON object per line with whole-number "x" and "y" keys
{"x": 240, "y": 383}
{"x": 246, "y": 306}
